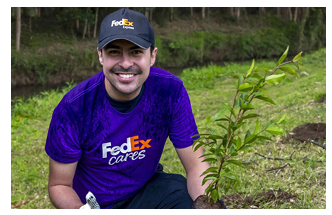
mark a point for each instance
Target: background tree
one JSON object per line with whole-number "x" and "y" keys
{"x": 18, "y": 28}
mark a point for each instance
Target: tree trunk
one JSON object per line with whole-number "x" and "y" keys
{"x": 88, "y": 30}
{"x": 296, "y": 14}
{"x": 150, "y": 19}
{"x": 231, "y": 11}
{"x": 203, "y": 12}
{"x": 238, "y": 13}
{"x": 77, "y": 24}
{"x": 96, "y": 21}
{"x": 191, "y": 12}
{"x": 146, "y": 13}
{"x": 18, "y": 28}
{"x": 262, "y": 10}
{"x": 305, "y": 16}
{"x": 290, "y": 13}
{"x": 172, "y": 13}
{"x": 85, "y": 27}
{"x": 278, "y": 11}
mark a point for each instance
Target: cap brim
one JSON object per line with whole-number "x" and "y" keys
{"x": 131, "y": 38}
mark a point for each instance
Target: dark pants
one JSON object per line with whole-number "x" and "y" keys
{"x": 163, "y": 190}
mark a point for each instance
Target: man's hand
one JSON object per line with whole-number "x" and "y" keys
{"x": 60, "y": 183}
{"x": 194, "y": 168}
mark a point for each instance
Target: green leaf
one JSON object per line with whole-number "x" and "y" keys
{"x": 238, "y": 143}
{"x": 230, "y": 176}
{"x": 257, "y": 127}
{"x": 214, "y": 195}
{"x": 275, "y": 79}
{"x": 238, "y": 125}
{"x": 223, "y": 119}
{"x": 297, "y": 57}
{"x": 245, "y": 147}
{"x": 267, "y": 99}
{"x": 256, "y": 76}
{"x": 215, "y": 137}
{"x": 251, "y": 68}
{"x": 283, "y": 57}
{"x": 245, "y": 87}
{"x": 209, "y": 177}
{"x": 239, "y": 81}
{"x": 222, "y": 126}
{"x": 247, "y": 134}
{"x": 210, "y": 170}
{"x": 232, "y": 149}
{"x": 219, "y": 113}
{"x": 282, "y": 119}
{"x": 275, "y": 130}
{"x": 210, "y": 160}
{"x": 247, "y": 106}
{"x": 197, "y": 140}
{"x": 208, "y": 119}
{"x": 289, "y": 70}
{"x": 252, "y": 115}
{"x": 199, "y": 145}
{"x": 264, "y": 138}
{"x": 234, "y": 154}
{"x": 251, "y": 138}
{"x": 235, "y": 162}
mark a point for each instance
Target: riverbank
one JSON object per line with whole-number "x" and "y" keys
{"x": 52, "y": 56}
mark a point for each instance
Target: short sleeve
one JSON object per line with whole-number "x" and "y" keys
{"x": 183, "y": 124}
{"x": 62, "y": 143}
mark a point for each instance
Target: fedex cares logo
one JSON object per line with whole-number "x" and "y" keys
{"x": 128, "y": 149}
{"x": 124, "y": 22}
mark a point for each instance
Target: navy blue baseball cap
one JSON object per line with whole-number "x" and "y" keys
{"x": 126, "y": 24}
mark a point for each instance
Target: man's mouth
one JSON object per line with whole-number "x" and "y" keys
{"x": 125, "y": 75}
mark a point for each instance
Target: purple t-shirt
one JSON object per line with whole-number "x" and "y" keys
{"x": 118, "y": 153}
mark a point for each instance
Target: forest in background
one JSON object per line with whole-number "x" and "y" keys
{"x": 52, "y": 45}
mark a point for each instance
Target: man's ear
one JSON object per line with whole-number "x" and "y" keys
{"x": 100, "y": 55}
{"x": 153, "y": 56}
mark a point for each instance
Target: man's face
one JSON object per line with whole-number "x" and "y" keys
{"x": 126, "y": 67}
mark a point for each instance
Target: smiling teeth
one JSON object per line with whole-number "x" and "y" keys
{"x": 126, "y": 76}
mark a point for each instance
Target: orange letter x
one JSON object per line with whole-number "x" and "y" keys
{"x": 145, "y": 143}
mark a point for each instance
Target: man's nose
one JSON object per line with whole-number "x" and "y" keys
{"x": 125, "y": 61}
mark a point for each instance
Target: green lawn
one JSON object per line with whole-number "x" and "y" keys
{"x": 30, "y": 120}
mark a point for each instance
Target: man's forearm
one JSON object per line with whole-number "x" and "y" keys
{"x": 64, "y": 197}
{"x": 194, "y": 181}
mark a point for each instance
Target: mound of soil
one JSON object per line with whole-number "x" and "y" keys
{"x": 202, "y": 202}
{"x": 238, "y": 201}
{"x": 314, "y": 131}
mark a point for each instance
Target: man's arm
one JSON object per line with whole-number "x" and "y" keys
{"x": 60, "y": 183}
{"x": 194, "y": 168}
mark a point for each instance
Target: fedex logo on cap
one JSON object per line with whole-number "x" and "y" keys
{"x": 124, "y": 22}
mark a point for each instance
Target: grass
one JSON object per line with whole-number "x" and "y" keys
{"x": 30, "y": 120}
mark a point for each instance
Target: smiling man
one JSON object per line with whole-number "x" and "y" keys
{"x": 107, "y": 134}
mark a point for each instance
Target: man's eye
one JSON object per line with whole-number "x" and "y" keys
{"x": 113, "y": 52}
{"x": 137, "y": 52}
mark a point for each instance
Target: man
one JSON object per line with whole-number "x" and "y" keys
{"x": 107, "y": 134}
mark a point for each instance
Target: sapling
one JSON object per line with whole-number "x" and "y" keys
{"x": 223, "y": 147}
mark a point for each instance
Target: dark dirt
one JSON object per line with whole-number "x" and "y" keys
{"x": 238, "y": 201}
{"x": 314, "y": 131}
{"x": 202, "y": 203}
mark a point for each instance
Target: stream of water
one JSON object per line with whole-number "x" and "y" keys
{"x": 29, "y": 91}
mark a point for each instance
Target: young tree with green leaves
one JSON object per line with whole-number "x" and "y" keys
{"x": 224, "y": 147}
